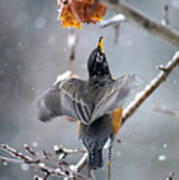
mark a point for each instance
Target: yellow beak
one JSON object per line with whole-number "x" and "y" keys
{"x": 100, "y": 43}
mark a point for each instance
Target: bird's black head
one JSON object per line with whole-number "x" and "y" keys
{"x": 97, "y": 63}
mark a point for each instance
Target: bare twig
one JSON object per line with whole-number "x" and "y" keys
{"x": 72, "y": 42}
{"x": 116, "y": 33}
{"x": 46, "y": 154}
{"x": 167, "y": 111}
{"x": 171, "y": 176}
{"x": 29, "y": 150}
{"x": 62, "y": 170}
{"x": 63, "y": 152}
{"x": 165, "y": 20}
{"x": 117, "y": 19}
{"x": 147, "y": 23}
{"x": 60, "y": 149}
{"x": 142, "y": 96}
{"x": 17, "y": 154}
{"x": 82, "y": 162}
{"x": 6, "y": 159}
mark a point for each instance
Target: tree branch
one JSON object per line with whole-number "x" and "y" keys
{"x": 115, "y": 20}
{"x": 81, "y": 163}
{"x": 61, "y": 169}
{"x": 72, "y": 43}
{"x": 63, "y": 152}
{"x": 142, "y": 96}
{"x": 171, "y": 176}
{"x": 145, "y": 22}
{"x": 167, "y": 111}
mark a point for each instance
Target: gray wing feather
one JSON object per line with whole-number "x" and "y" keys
{"x": 64, "y": 99}
{"x": 74, "y": 91}
{"x": 114, "y": 96}
{"x": 73, "y": 98}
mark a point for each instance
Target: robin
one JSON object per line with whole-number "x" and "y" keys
{"x": 96, "y": 103}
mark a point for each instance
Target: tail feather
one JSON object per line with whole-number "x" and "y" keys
{"x": 95, "y": 160}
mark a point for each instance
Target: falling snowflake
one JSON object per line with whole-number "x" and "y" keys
{"x": 24, "y": 166}
{"x": 39, "y": 23}
{"x": 35, "y": 144}
{"x": 162, "y": 158}
{"x": 165, "y": 146}
{"x": 5, "y": 163}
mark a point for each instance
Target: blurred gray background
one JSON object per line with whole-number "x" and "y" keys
{"x": 34, "y": 50}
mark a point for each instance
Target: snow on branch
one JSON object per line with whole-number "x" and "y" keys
{"x": 143, "y": 21}
{"x": 41, "y": 160}
{"x": 149, "y": 89}
{"x": 116, "y": 19}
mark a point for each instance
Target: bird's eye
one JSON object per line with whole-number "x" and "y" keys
{"x": 99, "y": 58}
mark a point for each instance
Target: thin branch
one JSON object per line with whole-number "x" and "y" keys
{"x": 29, "y": 150}
{"x": 62, "y": 170}
{"x": 165, "y": 110}
{"x": 82, "y": 162}
{"x": 60, "y": 149}
{"x": 63, "y": 152}
{"x": 171, "y": 176}
{"x": 17, "y": 154}
{"x": 80, "y": 165}
{"x": 145, "y": 22}
{"x": 72, "y": 43}
{"x": 6, "y": 159}
{"x": 165, "y": 20}
{"x": 116, "y": 19}
{"x": 142, "y": 96}
{"x": 116, "y": 33}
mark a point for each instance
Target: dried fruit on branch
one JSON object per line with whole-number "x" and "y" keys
{"x": 75, "y": 12}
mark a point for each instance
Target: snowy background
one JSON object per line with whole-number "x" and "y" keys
{"x": 34, "y": 50}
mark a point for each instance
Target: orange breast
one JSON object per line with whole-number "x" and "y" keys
{"x": 79, "y": 126}
{"x": 117, "y": 120}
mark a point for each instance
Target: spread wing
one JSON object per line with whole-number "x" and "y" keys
{"x": 76, "y": 99}
{"x": 66, "y": 98}
{"x": 114, "y": 96}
